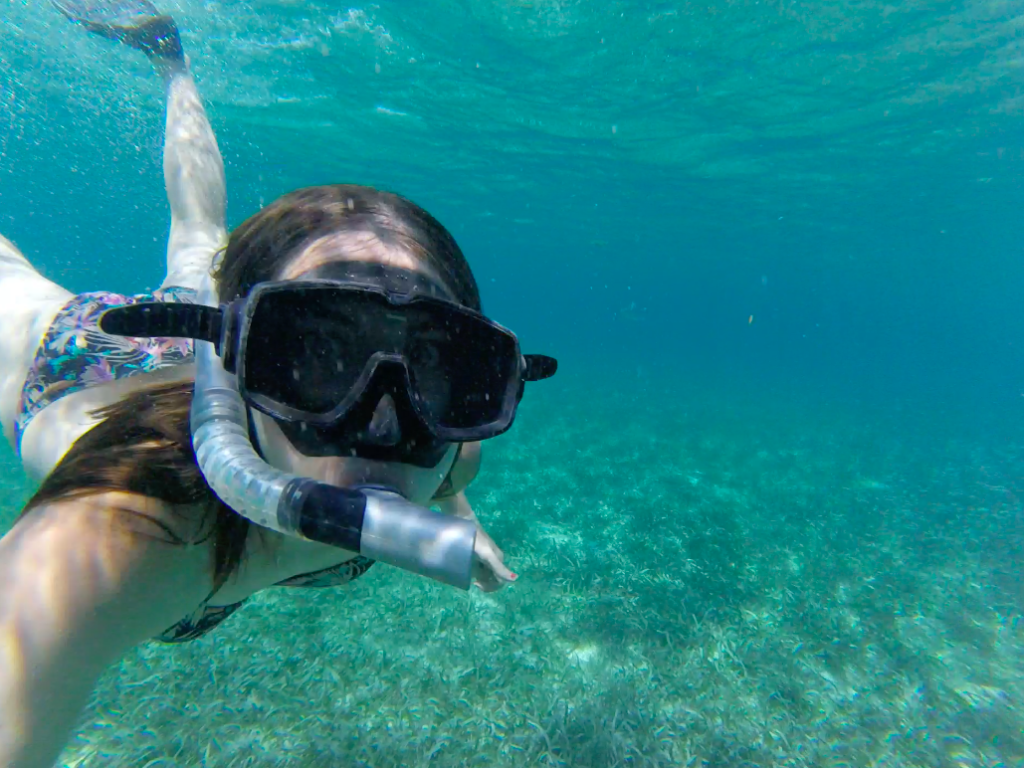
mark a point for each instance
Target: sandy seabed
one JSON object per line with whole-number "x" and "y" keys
{"x": 705, "y": 583}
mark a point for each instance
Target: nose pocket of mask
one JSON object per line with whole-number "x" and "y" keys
{"x": 384, "y": 428}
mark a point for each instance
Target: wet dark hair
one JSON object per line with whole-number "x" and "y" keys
{"x": 143, "y": 445}
{"x": 263, "y": 244}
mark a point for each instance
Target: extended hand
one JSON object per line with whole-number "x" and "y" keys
{"x": 489, "y": 571}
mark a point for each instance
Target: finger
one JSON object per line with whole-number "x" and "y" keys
{"x": 486, "y": 542}
{"x": 490, "y": 577}
{"x": 501, "y": 572}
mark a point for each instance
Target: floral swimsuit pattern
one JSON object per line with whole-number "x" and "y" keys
{"x": 75, "y": 354}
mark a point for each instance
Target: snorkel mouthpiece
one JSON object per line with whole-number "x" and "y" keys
{"x": 377, "y": 523}
{"x": 382, "y": 525}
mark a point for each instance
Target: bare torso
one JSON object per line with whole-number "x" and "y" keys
{"x": 55, "y": 428}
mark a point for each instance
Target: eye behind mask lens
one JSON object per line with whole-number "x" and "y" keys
{"x": 307, "y": 350}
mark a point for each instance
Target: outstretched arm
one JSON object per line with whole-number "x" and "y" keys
{"x": 194, "y": 177}
{"x": 193, "y": 169}
{"x": 84, "y": 581}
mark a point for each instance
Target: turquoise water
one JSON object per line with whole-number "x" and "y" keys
{"x": 769, "y": 511}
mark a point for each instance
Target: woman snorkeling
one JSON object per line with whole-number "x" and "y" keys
{"x": 344, "y": 379}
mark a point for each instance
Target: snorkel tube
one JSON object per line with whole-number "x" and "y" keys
{"x": 375, "y": 522}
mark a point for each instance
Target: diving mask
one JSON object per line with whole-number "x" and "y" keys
{"x": 384, "y": 367}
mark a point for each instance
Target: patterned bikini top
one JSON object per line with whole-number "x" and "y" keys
{"x": 205, "y": 617}
{"x": 75, "y": 354}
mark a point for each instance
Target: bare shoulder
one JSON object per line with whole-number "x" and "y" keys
{"x": 466, "y": 467}
{"x": 469, "y": 457}
{"x": 84, "y": 580}
{"x": 115, "y": 556}
{"x": 138, "y": 522}
{"x": 463, "y": 471}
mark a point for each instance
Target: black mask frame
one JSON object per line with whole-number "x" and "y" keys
{"x": 344, "y": 429}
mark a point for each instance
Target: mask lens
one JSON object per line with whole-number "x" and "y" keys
{"x": 308, "y": 349}
{"x": 305, "y": 349}
{"x": 460, "y": 369}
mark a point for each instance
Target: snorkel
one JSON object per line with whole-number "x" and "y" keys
{"x": 376, "y": 522}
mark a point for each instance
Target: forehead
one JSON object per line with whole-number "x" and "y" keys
{"x": 395, "y": 280}
{"x": 353, "y": 246}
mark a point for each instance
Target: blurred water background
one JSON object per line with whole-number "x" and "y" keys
{"x": 769, "y": 511}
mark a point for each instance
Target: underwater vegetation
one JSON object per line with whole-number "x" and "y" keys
{"x": 702, "y": 584}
